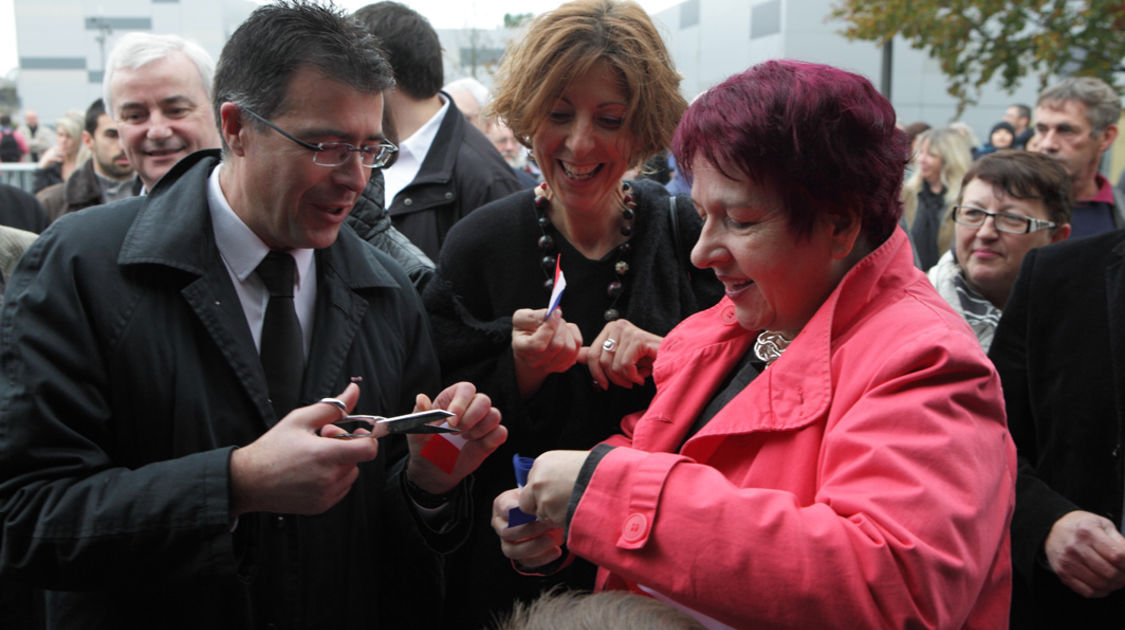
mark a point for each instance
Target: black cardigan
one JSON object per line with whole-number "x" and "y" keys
{"x": 1060, "y": 351}
{"x": 489, "y": 267}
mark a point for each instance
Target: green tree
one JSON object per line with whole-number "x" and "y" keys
{"x": 516, "y": 20}
{"x": 977, "y": 40}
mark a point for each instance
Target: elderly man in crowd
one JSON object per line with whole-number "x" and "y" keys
{"x": 1075, "y": 123}
{"x": 158, "y": 89}
{"x": 513, "y": 152}
{"x": 39, "y": 137}
{"x": 164, "y": 459}
{"x": 470, "y": 96}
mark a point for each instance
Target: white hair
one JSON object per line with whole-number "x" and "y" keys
{"x": 965, "y": 130}
{"x": 472, "y": 86}
{"x": 136, "y": 49}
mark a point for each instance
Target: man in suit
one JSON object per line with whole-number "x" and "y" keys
{"x": 1060, "y": 352}
{"x": 164, "y": 461}
{"x": 445, "y": 167}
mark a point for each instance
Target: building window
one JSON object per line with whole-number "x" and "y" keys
{"x": 689, "y": 13}
{"x": 52, "y": 63}
{"x": 480, "y": 56}
{"x": 765, "y": 19}
{"x": 119, "y": 23}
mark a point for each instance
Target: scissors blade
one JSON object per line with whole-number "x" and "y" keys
{"x": 409, "y": 423}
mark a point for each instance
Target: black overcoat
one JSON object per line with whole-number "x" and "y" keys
{"x": 130, "y": 374}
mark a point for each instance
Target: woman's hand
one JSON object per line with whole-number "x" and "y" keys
{"x": 50, "y": 156}
{"x": 530, "y": 545}
{"x": 629, "y": 359}
{"x": 542, "y": 347}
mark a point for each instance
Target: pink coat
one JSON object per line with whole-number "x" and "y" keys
{"x": 865, "y": 479}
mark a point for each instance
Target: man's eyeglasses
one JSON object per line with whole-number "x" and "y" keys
{"x": 336, "y": 153}
{"x": 1010, "y": 223}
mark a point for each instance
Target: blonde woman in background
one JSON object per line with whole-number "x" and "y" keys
{"x": 942, "y": 159}
{"x": 67, "y": 154}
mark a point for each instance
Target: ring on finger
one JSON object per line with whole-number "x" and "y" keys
{"x": 610, "y": 345}
{"x": 339, "y": 404}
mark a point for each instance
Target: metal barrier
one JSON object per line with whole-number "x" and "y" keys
{"x": 18, "y": 174}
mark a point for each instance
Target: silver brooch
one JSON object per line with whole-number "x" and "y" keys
{"x": 769, "y": 346}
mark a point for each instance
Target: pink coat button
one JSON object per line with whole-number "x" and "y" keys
{"x": 728, "y": 316}
{"x": 636, "y": 526}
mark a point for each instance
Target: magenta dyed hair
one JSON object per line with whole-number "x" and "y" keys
{"x": 822, "y": 136}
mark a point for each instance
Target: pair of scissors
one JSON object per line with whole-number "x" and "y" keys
{"x": 380, "y": 426}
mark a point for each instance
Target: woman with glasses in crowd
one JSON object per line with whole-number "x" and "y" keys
{"x": 1011, "y": 202}
{"x": 591, "y": 90}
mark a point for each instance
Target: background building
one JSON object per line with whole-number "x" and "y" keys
{"x": 62, "y": 44}
{"x": 713, "y": 39}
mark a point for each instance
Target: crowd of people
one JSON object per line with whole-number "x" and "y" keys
{"x": 770, "y": 359}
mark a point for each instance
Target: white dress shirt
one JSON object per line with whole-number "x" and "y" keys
{"x": 242, "y": 251}
{"x": 411, "y": 153}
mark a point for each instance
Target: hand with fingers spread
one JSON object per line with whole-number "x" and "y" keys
{"x": 1087, "y": 553}
{"x": 542, "y": 347}
{"x": 530, "y": 545}
{"x": 622, "y": 354}
{"x": 479, "y": 423}
{"x": 293, "y": 469}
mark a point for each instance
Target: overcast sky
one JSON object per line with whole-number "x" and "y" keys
{"x": 441, "y": 13}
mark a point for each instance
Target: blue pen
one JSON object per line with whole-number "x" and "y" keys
{"x": 522, "y": 466}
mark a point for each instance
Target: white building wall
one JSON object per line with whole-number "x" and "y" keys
{"x": 60, "y": 57}
{"x": 721, "y": 45}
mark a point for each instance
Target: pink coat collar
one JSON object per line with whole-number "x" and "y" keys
{"x": 797, "y": 389}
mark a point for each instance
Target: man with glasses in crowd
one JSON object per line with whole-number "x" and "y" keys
{"x": 164, "y": 459}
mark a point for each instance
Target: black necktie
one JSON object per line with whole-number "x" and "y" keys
{"x": 283, "y": 350}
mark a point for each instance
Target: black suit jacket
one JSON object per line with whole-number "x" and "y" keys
{"x": 1060, "y": 351}
{"x": 462, "y": 172}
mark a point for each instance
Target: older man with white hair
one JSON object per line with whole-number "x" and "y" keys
{"x": 158, "y": 89}
{"x": 471, "y": 97}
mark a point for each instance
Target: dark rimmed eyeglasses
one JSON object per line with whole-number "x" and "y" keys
{"x": 1005, "y": 222}
{"x": 332, "y": 154}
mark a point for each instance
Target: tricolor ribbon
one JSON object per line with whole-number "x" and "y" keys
{"x": 557, "y": 291}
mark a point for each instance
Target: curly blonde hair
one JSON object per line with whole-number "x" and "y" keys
{"x": 564, "y": 44}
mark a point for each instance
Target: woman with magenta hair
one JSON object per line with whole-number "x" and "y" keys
{"x": 827, "y": 445}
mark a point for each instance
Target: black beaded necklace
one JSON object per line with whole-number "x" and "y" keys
{"x": 549, "y": 252}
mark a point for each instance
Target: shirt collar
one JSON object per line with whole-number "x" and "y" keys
{"x": 418, "y": 144}
{"x": 239, "y": 246}
{"x": 1105, "y": 191}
